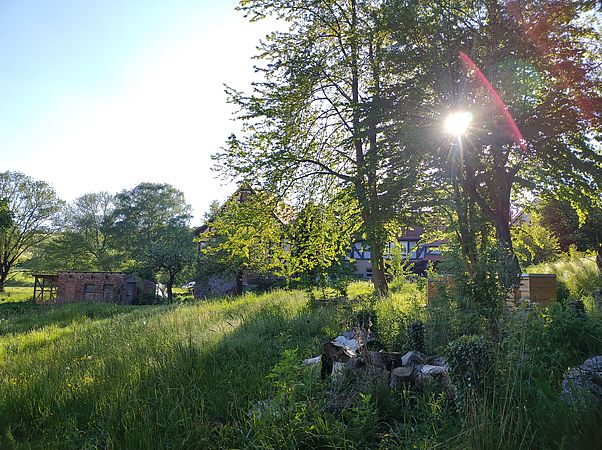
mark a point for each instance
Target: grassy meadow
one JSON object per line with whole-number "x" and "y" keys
{"x": 227, "y": 373}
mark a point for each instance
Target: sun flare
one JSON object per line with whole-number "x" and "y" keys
{"x": 458, "y": 122}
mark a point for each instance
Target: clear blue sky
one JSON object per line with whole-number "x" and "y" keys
{"x": 103, "y": 95}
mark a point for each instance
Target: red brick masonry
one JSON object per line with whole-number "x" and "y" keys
{"x": 109, "y": 287}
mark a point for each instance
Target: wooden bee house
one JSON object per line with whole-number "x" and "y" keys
{"x": 538, "y": 287}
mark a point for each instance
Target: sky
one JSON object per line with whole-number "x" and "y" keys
{"x": 100, "y": 96}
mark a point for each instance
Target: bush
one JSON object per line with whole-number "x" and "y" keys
{"x": 416, "y": 335}
{"x": 469, "y": 359}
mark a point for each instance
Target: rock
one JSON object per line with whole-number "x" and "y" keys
{"x": 584, "y": 383}
{"x": 413, "y": 357}
{"x": 312, "y": 361}
{"x": 438, "y": 373}
{"x": 401, "y": 377}
{"x": 434, "y": 370}
{"x": 440, "y": 361}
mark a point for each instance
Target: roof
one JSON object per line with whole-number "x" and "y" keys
{"x": 283, "y": 212}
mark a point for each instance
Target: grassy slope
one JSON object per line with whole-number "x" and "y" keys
{"x": 186, "y": 376}
{"x": 88, "y": 375}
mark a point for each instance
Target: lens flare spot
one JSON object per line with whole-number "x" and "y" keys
{"x": 458, "y": 122}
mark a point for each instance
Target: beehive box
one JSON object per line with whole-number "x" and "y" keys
{"x": 538, "y": 287}
{"x": 434, "y": 286}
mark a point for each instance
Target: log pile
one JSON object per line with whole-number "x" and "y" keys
{"x": 350, "y": 351}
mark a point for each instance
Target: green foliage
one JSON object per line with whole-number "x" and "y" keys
{"x": 534, "y": 244}
{"x": 469, "y": 359}
{"x": 228, "y": 374}
{"x": 318, "y": 240}
{"x": 477, "y": 288}
{"x": 34, "y": 210}
{"x": 246, "y": 236}
{"x": 112, "y": 370}
{"x": 326, "y": 118}
{"x": 6, "y": 217}
{"x": 171, "y": 252}
{"x": 85, "y": 240}
{"x": 576, "y": 219}
{"x": 416, "y": 335}
{"x": 149, "y": 226}
{"x": 399, "y": 268}
{"x": 15, "y": 294}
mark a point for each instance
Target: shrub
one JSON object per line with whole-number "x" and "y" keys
{"x": 469, "y": 359}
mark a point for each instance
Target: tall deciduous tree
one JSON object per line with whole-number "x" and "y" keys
{"x": 171, "y": 252}
{"x": 326, "y": 115}
{"x": 534, "y": 122}
{"x": 144, "y": 222}
{"x": 34, "y": 208}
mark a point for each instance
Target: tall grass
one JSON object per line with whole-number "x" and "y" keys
{"x": 92, "y": 375}
{"x": 227, "y": 374}
{"x": 16, "y": 294}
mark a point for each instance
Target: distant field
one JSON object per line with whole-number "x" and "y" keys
{"x": 16, "y": 294}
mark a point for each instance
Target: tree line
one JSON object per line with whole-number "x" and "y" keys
{"x": 347, "y": 127}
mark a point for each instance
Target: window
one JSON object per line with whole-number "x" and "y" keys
{"x": 88, "y": 291}
{"x": 108, "y": 293}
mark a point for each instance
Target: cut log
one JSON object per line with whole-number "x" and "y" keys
{"x": 401, "y": 377}
{"x": 334, "y": 352}
{"x": 384, "y": 360}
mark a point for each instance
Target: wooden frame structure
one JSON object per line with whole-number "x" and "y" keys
{"x": 45, "y": 285}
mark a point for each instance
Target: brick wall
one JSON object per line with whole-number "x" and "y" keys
{"x": 110, "y": 287}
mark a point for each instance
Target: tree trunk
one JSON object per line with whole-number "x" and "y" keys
{"x": 170, "y": 282}
{"x": 510, "y": 267}
{"x": 3, "y": 276}
{"x": 239, "y": 282}
{"x": 378, "y": 268}
{"x": 598, "y": 259}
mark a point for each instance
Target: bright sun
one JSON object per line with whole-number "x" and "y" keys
{"x": 457, "y": 123}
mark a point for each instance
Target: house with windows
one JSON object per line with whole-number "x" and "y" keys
{"x": 419, "y": 254}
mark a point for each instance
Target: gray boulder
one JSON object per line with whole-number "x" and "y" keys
{"x": 413, "y": 357}
{"x": 583, "y": 384}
